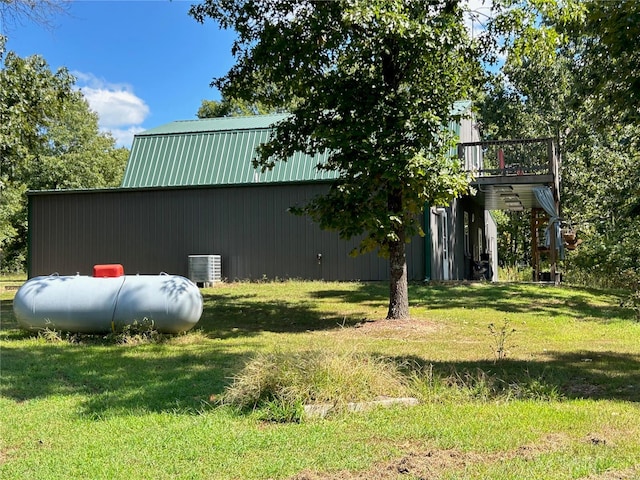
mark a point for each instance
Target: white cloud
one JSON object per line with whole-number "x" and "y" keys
{"x": 119, "y": 110}
{"x": 123, "y": 136}
{"x": 116, "y": 108}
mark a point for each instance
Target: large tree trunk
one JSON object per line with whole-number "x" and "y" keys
{"x": 398, "y": 287}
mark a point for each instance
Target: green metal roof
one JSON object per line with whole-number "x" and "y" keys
{"x": 217, "y": 151}
{"x": 216, "y": 124}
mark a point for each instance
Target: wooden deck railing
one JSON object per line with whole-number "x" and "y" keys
{"x": 536, "y": 156}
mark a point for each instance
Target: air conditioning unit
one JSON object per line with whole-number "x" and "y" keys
{"x": 205, "y": 269}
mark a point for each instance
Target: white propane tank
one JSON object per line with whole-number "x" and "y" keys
{"x": 98, "y": 305}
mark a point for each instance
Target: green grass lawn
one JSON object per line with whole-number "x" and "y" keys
{"x": 551, "y": 391}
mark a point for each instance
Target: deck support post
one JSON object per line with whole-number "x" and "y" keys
{"x": 553, "y": 253}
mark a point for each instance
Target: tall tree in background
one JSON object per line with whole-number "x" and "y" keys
{"x": 597, "y": 39}
{"x": 49, "y": 139}
{"x": 372, "y": 83}
{"x": 605, "y": 38}
{"x": 571, "y": 72}
{"x": 607, "y": 65}
{"x": 232, "y": 108}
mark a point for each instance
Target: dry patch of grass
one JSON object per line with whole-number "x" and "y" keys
{"x": 400, "y": 329}
{"x": 423, "y": 462}
{"x": 431, "y": 463}
{"x": 632, "y": 473}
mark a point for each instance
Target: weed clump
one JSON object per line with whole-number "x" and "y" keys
{"x": 278, "y": 385}
{"x": 136, "y": 333}
{"x": 453, "y": 385}
{"x": 500, "y": 337}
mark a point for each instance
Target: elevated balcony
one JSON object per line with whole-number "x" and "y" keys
{"x": 506, "y": 174}
{"x": 506, "y": 171}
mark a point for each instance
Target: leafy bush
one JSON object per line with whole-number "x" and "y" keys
{"x": 610, "y": 259}
{"x": 633, "y": 302}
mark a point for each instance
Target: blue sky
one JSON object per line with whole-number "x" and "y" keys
{"x": 140, "y": 63}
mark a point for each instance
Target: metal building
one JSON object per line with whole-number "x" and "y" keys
{"x": 155, "y": 230}
{"x": 190, "y": 189}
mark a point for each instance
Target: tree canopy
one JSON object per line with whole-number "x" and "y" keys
{"x": 371, "y": 83}
{"x": 226, "y": 107}
{"x": 49, "y": 139}
{"x": 570, "y": 71}
{"x": 604, "y": 38}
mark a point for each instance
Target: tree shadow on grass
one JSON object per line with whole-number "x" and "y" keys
{"x": 371, "y": 293}
{"x": 9, "y": 327}
{"x": 119, "y": 379}
{"x": 231, "y": 316}
{"x": 550, "y": 301}
{"x": 114, "y": 380}
{"x": 563, "y": 375}
{"x": 228, "y": 316}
